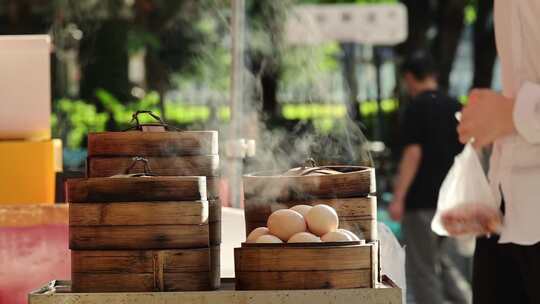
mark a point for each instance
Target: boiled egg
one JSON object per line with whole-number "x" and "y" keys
{"x": 304, "y": 237}
{"x": 322, "y": 219}
{"x": 256, "y": 233}
{"x": 336, "y": 236}
{"x": 268, "y": 239}
{"x": 353, "y": 236}
{"x": 285, "y": 223}
{"x": 302, "y": 209}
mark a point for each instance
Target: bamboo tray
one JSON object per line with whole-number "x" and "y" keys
{"x": 306, "y": 266}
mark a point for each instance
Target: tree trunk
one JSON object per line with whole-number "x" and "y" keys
{"x": 104, "y": 61}
{"x": 269, "y": 84}
{"x": 351, "y": 81}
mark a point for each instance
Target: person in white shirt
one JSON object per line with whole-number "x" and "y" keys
{"x": 507, "y": 268}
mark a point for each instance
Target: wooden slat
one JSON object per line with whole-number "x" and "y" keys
{"x": 145, "y": 270}
{"x": 202, "y": 165}
{"x": 138, "y": 237}
{"x": 303, "y": 258}
{"x": 257, "y": 209}
{"x": 188, "y": 281}
{"x": 135, "y": 143}
{"x": 214, "y": 221}
{"x": 215, "y": 264}
{"x": 214, "y": 210}
{"x": 358, "y": 183}
{"x": 286, "y": 280}
{"x": 215, "y": 233}
{"x": 113, "y": 282}
{"x": 129, "y": 189}
{"x": 112, "y": 261}
{"x": 141, "y": 261}
{"x": 190, "y": 260}
{"x": 139, "y": 213}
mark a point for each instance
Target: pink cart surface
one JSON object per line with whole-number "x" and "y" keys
{"x": 33, "y": 249}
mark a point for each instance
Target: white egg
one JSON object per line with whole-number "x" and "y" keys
{"x": 304, "y": 237}
{"x": 285, "y": 223}
{"x": 322, "y": 219}
{"x": 268, "y": 239}
{"x": 353, "y": 236}
{"x": 302, "y": 209}
{"x": 256, "y": 233}
{"x": 336, "y": 236}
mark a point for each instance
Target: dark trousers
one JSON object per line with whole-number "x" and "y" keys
{"x": 433, "y": 276}
{"x": 506, "y": 273}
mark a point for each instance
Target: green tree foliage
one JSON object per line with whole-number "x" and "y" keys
{"x": 73, "y": 119}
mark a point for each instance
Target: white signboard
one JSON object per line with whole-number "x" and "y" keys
{"x": 377, "y": 24}
{"x": 25, "y": 87}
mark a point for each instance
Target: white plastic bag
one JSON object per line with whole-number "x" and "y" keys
{"x": 392, "y": 258}
{"x": 466, "y": 205}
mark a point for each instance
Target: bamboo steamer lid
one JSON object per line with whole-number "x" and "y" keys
{"x": 152, "y": 139}
{"x": 136, "y": 187}
{"x": 311, "y": 182}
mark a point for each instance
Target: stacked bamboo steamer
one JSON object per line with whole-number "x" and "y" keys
{"x": 350, "y": 193}
{"x": 349, "y": 190}
{"x": 155, "y": 231}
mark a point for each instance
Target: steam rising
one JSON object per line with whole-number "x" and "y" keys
{"x": 283, "y": 144}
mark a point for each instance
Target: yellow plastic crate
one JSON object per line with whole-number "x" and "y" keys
{"x": 27, "y": 171}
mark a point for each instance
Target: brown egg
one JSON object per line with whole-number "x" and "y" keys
{"x": 285, "y": 223}
{"x": 304, "y": 237}
{"x": 302, "y": 209}
{"x": 322, "y": 219}
{"x": 256, "y": 233}
{"x": 336, "y": 236}
{"x": 353, "y": 236}
{"x": 268, "y": 239}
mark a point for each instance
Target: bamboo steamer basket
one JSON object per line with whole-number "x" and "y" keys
{"x": 168, "y": 151}
{"x": 348, "y": 192}
{"x": 142, "y": 212}
{"x": 154, "y": 218}
{"x": 306, "y": 266}
{"x": 145, "y": 270}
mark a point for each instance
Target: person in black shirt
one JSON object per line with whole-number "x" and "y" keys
{"x": 430, "y": 143}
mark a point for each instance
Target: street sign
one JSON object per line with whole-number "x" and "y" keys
{"x": 375, "y": 24}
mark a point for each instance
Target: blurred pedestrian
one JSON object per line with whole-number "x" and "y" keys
{"x": 430, "y": 143}
{"x": 507, "y": 268}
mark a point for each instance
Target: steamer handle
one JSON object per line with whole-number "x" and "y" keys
{"x": 146, "y": 166}
{"x": 136, "y": 123}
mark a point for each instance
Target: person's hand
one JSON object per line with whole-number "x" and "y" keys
{"x": 396, "y": 209}
{"x": 487, "y": 117}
